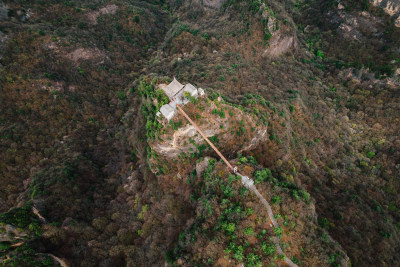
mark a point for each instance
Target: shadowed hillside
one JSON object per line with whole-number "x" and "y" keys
{"x": 91, "y": 176}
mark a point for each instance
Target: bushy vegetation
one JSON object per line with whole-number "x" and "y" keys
{"x": 25, "y": 221}
{"x": 262, "y": 175}
{"x": 222, "y": 215}
{"x": 75, "y": 129}
{"x": 149, "y": 110}
{"x": 19, "y": 217}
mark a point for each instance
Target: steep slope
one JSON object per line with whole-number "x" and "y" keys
{"x": 334, "y": 102}
{"x": 321, "y": 76}
{"x": 66, "y": 68}
{"x": 176, "y": 157}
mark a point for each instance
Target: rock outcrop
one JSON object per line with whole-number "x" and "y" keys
{"x": 391, "y": 7}
{"x": 213, "y": 3}
{"x": 281, "y": 44}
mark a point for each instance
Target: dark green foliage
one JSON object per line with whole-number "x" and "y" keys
{"x": 268, "y": 249}
{"x": 243, "y": 160}
{"x": 249, "y": 211}
{"x": 262, "y": 175}
{"x": 121, "y": 95}
{"x": 248, "y": 231}
{"x": 370, "y": 154}
{"x": 237, "y": 251}
{"x": 320, "y": 54}
{"x": 323, "y": 222}
{"x": 229, "y": 228}
{"x": 214, "y": 96}
{"x": 276, "y": 200}
{"x": 48, "y": 261}
{"x": 19, "y": 217}
{"x": 35, "y": 228}
{"x": 175, "y": 125}
{"x": 267, "y": 33}
{"x": 76, "y": 178}
{"x": 295, "y": 260}
{"x": 253, "y": 260}
{"x": 149, "y": 111}
{"x": 4, "y": 246}
{"x": 252, "y": 160}
{"x": 214, "y": 139}
{"x": 221, "y": 112}
{"x": 183, "y": 28}
{"x": 252, "y": 99}
{"x": 278, "y": 231}
{"x": 27, "y": 255}
{"x": 386, "y": 235}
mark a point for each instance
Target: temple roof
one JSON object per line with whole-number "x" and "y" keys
{"x": 173, "y": 88}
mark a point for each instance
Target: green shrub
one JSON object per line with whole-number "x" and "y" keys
{"x": 320, "y": 54}
{"x": 268, "y": 249}
{"x": 243, "y": 160}
{"x": 20, "y": 217}
{"x": 121, "y": 95}
{"x": 370, "y": 154}
{"x": 35, "y": 228}
{"x": 323, "y": 222}
{"x": 295, "y": 194}
{"x": 294, "y": 260}
{"x": 305, "y": 195}
{"x": 252, "y": 160}
{"x": 278, "y": 231}
{"x": 276, "y": 200}
{"x": 4, "y": 246}
{"x": 249, "y": 211}
{"x": 238, "y": 253}
{"x": 169, "y": 256}
{"x": 253, "y": 260}
{"x": 214, "y": 139}
{"x": 221, "y": 112}
{"x": 229, "y": 228}
{"x": 248, "y": 231}
{"x": 262, "y": 175}
{"x": 48, "y": 261}
{"x": 386, "y": 235}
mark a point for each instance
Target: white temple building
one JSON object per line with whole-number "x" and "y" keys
{"x": 178, "y": 94}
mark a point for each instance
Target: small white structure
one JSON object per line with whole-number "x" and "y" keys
{"x": 201, "y": 92}
{"x": 247, "y": 182}
{"x": 167, "y": 111}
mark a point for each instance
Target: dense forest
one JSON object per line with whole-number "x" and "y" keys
{"x": 302, "y": 96}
